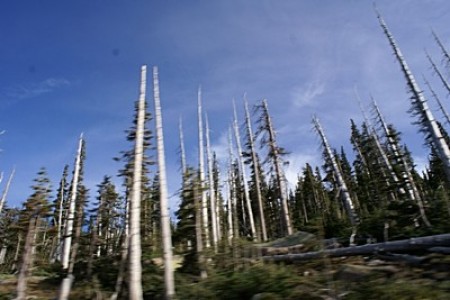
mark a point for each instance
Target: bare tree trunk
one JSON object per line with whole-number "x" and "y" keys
{"x": 438, "y": 101}
{"x": 256, "y": 170}
{"x": 441, "y": 77}
{"x": 66, "y": 284}
{"x": 418, "y": 243}
{"x": 198, "y": 230}
{"x": 27, "y": 259}
{"x": 135, "y": 250}
{"x": 201, "y": 167}
{"x": 278, "y": 170}
{"x": 182, "y": 149}
{"x": 420, "y": 105}
{"x": 244, "y": 175}
{"x": 71, "y": 213}
{"x": 212, "y": 192}
{"x": 406, "y": 173}
{"x": 165, "y": 218}
{"x": 443, "y": 49}
{"x": 348, "y": 202}
{"x": 5, "y": 192}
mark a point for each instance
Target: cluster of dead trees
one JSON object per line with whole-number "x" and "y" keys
{"x": 380, "y": 195}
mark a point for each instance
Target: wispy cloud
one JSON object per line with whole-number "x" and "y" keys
{"x": 305, "y": 95}
{"x": 32, "y": 90}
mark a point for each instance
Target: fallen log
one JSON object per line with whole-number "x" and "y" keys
{"x": 411, "y": 244}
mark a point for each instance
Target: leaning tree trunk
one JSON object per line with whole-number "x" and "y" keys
{"x": 66, "y": 284}
{"x": 201, "y": 166}
{"x": 5, "y": 192}
{"x": 71, "y": 212}
{"x": 420, "y": 105}
{"x": 257, "y": 179}
{"x": 443, "y": 49}
{"x": 243, "y": 174}
{"x": 411, "y": 187}
{"x": 278, "y": 170}
{"x": 135, "y": 250}
{"x": 165, "y": 218}
{"x": 348, "y": 202}
{"x": 441, "y": 77}
{"x": 438, "y": 101}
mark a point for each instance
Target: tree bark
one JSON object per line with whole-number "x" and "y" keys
{"x": 71, "y": 213}
{"x": 165, "y": 218}
{"x": 135, "y": 250}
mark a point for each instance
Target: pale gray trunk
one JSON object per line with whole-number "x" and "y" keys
{"x": 348, "y": 202}
{"x": 165, "y": 218}
{"x": 411, "y": 187}
{"x": 256, "y": 170}
{"x": 135, "y": 251}
{"x": 5, "y": 192}
{"x": 278, "y": 170}
{"x": 443, "y": 49}
{"x": 212, "y": 192}
{"x": 3, "y": 254}
{"x": 27, "y": 259}
{"x": 441, "y": 107}
{"x": 182, "y": 149}
{"x": 420, "y": 104}
{"x": 441, "y": 77}
{"x": 243, "y": 174}
{"x": 199, "y": 231}
{"x": 204, "y": 201}
{"x": 71, "y": 212}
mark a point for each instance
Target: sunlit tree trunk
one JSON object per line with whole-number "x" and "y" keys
{"x": 419, "y": 104}
{"x": 201, "y": 166}
{"x": 71, "y": 211}
{"x": 348, "y": 202}
{"x": 165, "y": 218}
{"x": 135, "y": 251}
{"x": 5, "y": 191}
{"x": 243, "y": 174}
{"x": 281, "y": 182}
{"x": 256, "y": 171}
{"x": 212, "y": 192}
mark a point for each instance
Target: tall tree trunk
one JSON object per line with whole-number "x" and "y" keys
{"x": 348, "y": 202}
{"x": 420, "y": 104}
{"x": 135, "y": 250}
{"x": 255, "y": 163}
{"x": 198, "y": 229}
{"x": 165, "y": 218}
{"x": 411, "y": 186}
{"x": 71, "y": 212}
{"x": 27, "y": 259}
{"x": 278, "y": 170}
{"x": 243, "y": 174}
{"x": 201, "y": 166}
{"x": 212, "y": 192}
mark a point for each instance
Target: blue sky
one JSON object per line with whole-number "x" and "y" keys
{"x": 68, "y": 67}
